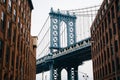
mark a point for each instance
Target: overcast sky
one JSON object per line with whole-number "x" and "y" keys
{"x": 40, "y": 14}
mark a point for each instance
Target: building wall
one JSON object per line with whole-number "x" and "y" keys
{"x": 105, "y": 36}
{"x": 17, "y": 54}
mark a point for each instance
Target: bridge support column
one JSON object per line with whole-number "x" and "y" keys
{"x": 76, "y": 72}
{"x": 69, "y": 73}
{"x": 51, "y": 70}
{"x": 59, "y": 74}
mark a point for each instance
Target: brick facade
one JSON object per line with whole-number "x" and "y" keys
{"x": 17, "y": 53}
{"x": 105, "y": 36}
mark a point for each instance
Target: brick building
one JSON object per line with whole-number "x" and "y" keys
{"x": 17, "y": 50}
{"x": 105, "y": 36}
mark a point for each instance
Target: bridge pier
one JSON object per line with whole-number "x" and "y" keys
{"x": 51, "y": 70}
{"x": 76, "y": 72}
{"x": 69, "y": 73}
{"x": 59, "y": 74}
{"x": 72, "y": 73}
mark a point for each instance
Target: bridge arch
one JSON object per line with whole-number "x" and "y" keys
{"x": 63, "y": 34}
{"x": 64, "y": 74}
{"x": 56, "y": 18}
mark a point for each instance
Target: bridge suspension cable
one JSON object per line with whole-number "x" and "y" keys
{"x": 74, "y": 10}
{"x": 43, "y": 38}
{"x": 43, "y": 26}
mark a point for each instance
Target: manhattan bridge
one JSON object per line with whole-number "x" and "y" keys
{"x": 64, "y": 42}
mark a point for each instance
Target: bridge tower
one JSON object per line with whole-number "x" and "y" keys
{"x": 56, "y": 18}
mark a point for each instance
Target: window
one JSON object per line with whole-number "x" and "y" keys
{"x": 113, "y": 13}
{"x": 114, "y": 28}
{"x": 110, "y": 33}
{"x": 5, "y": 77}
{"x": 11, "y": 77}
{"x": 118, "y": 63}
{"x": 1, "y": 48}
{"x": 17, "y": 62}
{"x": 14, "y": 35}
{"x": 7, "y": 54}
{"x": 113, "y": 66}
{"x": 116, "y": 45}
{"x": 9, "y": 5}
{"x": 2, "y": 20}
{"x": 118, "y": 21}
{"x": 109, "y": 18}
{"x": 118, "y": 5}
{"x": 111, "y": 48}
{"x": 106, "y": 38}
{"x": 9, "y": 29}
{"x": 109, "y": 67}
{"x": 14, "y": 18}
{"x": 12, "y": 59}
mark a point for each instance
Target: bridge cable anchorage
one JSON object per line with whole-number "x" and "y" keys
{"x": 43, "y": 25}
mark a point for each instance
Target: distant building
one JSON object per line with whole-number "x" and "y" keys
{"x": 17, "y": 51}
{"x": 105, "y": 36}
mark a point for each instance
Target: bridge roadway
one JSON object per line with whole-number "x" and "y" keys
{"x": 69, "y": 56}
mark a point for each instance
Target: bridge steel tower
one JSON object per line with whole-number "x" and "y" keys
{"x": 56, "y": 18}
{"x": 70, "y": 20}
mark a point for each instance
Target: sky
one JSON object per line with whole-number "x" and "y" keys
{"x": 41, "y": 12}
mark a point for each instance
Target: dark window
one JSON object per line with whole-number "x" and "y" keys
{"x": 106, "y": 70}
{"x": 109, "y": 67}
{"x": 17, "y": 62}
{"x": 118, "y": 5}
{"x": 105, "y": 23}
{"x": 118, "y": 63}
{"x": 14, "y": 35}
{"x": 110, "y": 33}
{"x": 13, "y": 58}
{"x": 109, "y": 18}
{"x": 11, "y": 77}
{"x": 118, "y": 21}
{"x": 5, "y": 77}
{"x": 104, "y": 55}
{"x": 106, "y": 38}
{"x": 111, "y": 48}
{"x": 7, "y": 54}
{"x": 114, "y": 28}
{"x": 113, "y": 15}
{"x": 1, "y": 48}
{"x": 113, "y": 66}
{"x": 116, "y": 45}
{"x": 2, "y": 20}
{"x": 118, "y": 78}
